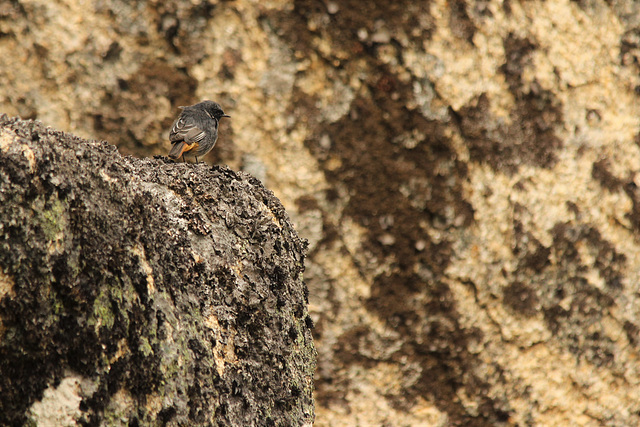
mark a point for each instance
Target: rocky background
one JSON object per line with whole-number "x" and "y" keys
{"x": 466, "y": 173}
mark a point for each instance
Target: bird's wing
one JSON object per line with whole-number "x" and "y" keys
{"x": 184, "y": 129}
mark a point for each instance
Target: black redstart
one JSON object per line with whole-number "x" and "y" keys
{"x": 195, "y": 131}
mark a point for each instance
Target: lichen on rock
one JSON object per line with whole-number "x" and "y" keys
{"x": 143, "y": 290}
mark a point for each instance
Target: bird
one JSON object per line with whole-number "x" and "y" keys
{"x": 195, "y": 131}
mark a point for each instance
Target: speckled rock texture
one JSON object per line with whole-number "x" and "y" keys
{"x": 145, "y": 292}
{"x": 466, "y": 173}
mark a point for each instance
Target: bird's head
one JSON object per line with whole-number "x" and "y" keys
{"x": 213, "y": 109}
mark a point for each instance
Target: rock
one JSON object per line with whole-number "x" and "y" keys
{"x": 143, "y": 291}
{"x": 501, "y": 138}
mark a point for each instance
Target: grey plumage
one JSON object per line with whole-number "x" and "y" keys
{"x": 195, "y": 131}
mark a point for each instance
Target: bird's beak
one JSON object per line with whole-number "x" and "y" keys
{"x": 225, "y": 115}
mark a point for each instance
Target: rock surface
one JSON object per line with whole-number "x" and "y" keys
{"x": 145, "y": 292}
{"x": 466, "y": 173}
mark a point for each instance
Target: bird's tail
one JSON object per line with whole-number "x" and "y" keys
{"x": 178, "y": 149}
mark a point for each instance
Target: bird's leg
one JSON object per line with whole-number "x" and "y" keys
{"x": 196, "y": 160}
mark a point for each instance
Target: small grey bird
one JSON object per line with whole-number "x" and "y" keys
{"x": 195, "y": 131}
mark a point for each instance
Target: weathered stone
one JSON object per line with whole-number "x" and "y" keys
{"x": 466, "y": 173}
{"x": 145, "y": 291}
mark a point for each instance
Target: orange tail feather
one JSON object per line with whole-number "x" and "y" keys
{"x": 179, "y": 148}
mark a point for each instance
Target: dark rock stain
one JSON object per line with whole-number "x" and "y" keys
{"x": 521, "y": 298}
{"x": 583, "y": 304}
{"x": 600, "y": 172}
{"x": 461, "y": 25}
{"x": 530, "y": 138}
